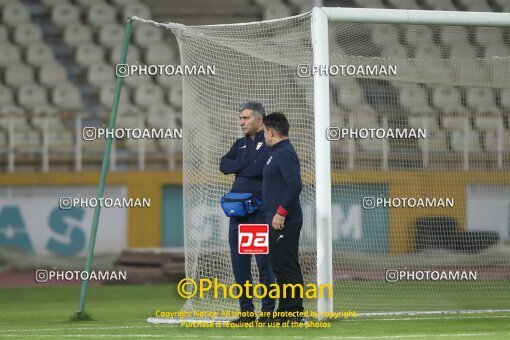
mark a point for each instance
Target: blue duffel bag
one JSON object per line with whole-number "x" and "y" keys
{"x": 237, "y": 204}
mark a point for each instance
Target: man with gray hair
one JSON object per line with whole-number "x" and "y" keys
{"x": 246, "y": 160}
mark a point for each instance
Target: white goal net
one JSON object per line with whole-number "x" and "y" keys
{"x": 449, "y": 81}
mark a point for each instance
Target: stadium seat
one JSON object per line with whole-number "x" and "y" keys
{"x": 53, "y": 3}
{"x": 77, "y": 34}
{"x": 32, "y": 95}
{"x": 462, "y": 51}
{"x": 67, "y": 97}
{"x": 136, "y": 80}
{"x": 9, "y": 54}
{"x": 131, "y": 120}
{"x": 481, "y": 100}
{"x": 27, "y": 140}
{"x": 370, "y": 3}
{"x": 146, "y": 35}
{"x": 100, "y": 14}
{"x": 6, "y": 97}
{"x": 9, "y": 115}
{"x": 174, "y": 96}
{"x": 365, "y": 121}
{"x": 490, "y": 141}
{"x": 12, "y": 109}
{"x": 3, "y": 141}
{"x": 488, "y": 122}
{"x": 133, "y": 55}
{"x": 454, "y": 35}
{"x": 505, "y": 99}
{"x": 172, "y": 146}
{"x": 106, "y": 96}
{"x": 15, "y": 14}
{"x": 4, "y": 34}
{"x": 88, "y": 54}
{"x": 276, "y": 10}
{"x": 111, "y": 34}
{"x": 371, "y": 144}
{"x": 138, "y": 10}
{"x": 394, "y": 51}
{"x": 4, "y": 3}
{"x": 350, "y": 96}
{"x": 60, "y": 140}
{"x": 414, "y": 99}
{"x": 486, "y": 36}
{"x": 426, "y": 121}
{"x": 419, "y": 35}
{"x": 458, "y": 138}
{"x": 503, "y": 4}
{"x": 120, "y": 3}
{"x": 455, "y": 122}
{"x": 496, "y": 50}
{"x": 18, "y": 74}
{"x": 48, "y": 116}
{"x": 100, "y": 74}
{"x": 149, "y": 145}
{"x": 427, "y": 51}
{"x": 52, "y": 74}
{"x": 27, "y": 34}
{"x": 162, "y": 116}
{"x": 385, "y": 35}
{"x": 337, "y": 119}
{"x": 147, "y": 95}
{"x": 89, "y": 3}
{"x": 44, "y": 109}
{"x": 436, "y": 141}
{"x": 159, "y": 54}
{"x": 440, "y": 5}
{"x": 39, "y": 54}
{"x": 447, "y": 99}
{"x": 498, "y": 74}
{"x": 169, "y": 81}
{"x": 65, "y": 14}
{"x": 404, "y": 4}
{"x": 306, "y": 8}
{"x": 478, "y": 72}
{"x": 476, "y": 5}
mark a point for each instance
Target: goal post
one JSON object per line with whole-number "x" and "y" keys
{"x": 322, "y": 159}
{"x": 444, "y": 87}
{"x": 320, "y": 42}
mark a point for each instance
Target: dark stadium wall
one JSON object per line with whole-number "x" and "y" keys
{"x": 422, "y": 184}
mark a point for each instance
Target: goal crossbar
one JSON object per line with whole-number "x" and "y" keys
{"x": 320, "y": 42}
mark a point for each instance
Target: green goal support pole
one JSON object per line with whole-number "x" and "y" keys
{"x": 104, "y": 170}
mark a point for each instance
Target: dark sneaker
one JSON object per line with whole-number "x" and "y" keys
{"x": 243, "y": 319}
{"x": 296, "y": 320}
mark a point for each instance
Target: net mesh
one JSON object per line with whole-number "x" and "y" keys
{"x": 449, "y": 80}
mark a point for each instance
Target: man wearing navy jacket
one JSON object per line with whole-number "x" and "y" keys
{"x": 246, "y": 160}
{"x": 281, "y": 186}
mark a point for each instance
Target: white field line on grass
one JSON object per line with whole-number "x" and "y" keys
{"x": 177, "y": 322}
{"x": 455, "y": 316}
{"x": 71, "y": 328}
{"x": 406, "y": 336}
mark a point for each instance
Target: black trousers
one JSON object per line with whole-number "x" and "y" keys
{"x": 241, "y": 264}
{"x": 284, "y": 257}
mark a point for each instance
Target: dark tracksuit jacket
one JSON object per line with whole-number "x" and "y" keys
{"x": 246, "y": 159}
{"x": 281, "y": 186}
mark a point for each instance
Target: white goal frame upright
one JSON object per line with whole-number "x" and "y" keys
{"x": 320, "y": 43}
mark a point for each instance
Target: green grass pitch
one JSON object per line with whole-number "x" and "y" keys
{"x": 122, "y": 312}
